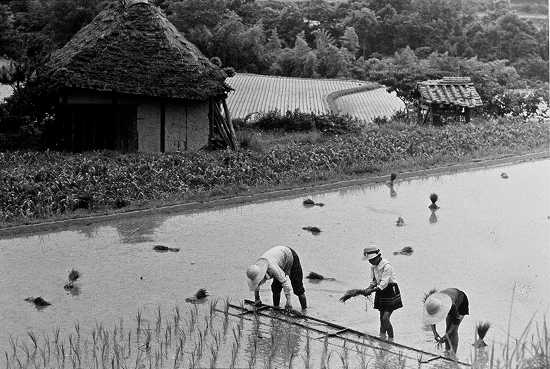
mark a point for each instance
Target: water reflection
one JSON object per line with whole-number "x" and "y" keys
{"x": 74, "y": 290}
{"x": 139, "y": 229}
{"x": 89, "y": 230}
{"x": 273, "y": 342}
{"x": 481, "y": 358}
{"x": 433, "y": 216}
{"x": 393, "y": 193}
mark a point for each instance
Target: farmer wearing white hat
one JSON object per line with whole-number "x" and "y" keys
{"x": 450, "y": 304}
{"x": 283, "y": 265}
{"x": 384, "y": 284}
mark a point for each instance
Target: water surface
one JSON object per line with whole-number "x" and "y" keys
{"x": 489, "y": 235}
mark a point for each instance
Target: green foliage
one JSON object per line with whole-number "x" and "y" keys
{"x": 328, "y": 123}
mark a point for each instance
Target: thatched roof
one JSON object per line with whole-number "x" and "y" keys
{"x": 458, "y": 91}
{"x": 135, "y": 50}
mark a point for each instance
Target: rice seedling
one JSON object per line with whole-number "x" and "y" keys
{"x": 213, "y": 356}
{"x": 234, "y": 354}
{"x": 158, "y": 322}
{"x": 344, "y": 356}
{"x": 212, "y": 308}
{"x": 254, "y": 351}
{"x": 324, "y": 354}
{"x": 307, "y": 356}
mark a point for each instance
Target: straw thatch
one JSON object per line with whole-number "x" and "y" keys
{"x": 135, "y": 50}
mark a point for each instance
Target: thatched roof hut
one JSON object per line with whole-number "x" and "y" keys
{"x": 130, "y": 81}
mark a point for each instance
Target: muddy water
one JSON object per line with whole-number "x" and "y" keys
{"x": 489, "y": 235}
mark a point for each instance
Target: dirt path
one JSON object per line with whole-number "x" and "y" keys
{"x": 195, "y": 206}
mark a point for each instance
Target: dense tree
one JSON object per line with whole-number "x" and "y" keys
{"x": 350, "y": 40}
{"x": 365, "y": 23}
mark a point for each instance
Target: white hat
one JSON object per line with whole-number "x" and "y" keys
{"x": 255, "y": 273}
{"x": 371, "y": 252}
{"x": 436, "y": 308}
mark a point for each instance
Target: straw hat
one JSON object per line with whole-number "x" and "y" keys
{"x": 256, "y": 273}
{"x": 436, "y": 308}
{"x": 371, "y": 252}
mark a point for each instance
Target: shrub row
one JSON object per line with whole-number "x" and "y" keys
{"x": 297, "y": 121}
{"x": 43, "y": 184}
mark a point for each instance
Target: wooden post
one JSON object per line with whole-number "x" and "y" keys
{"x": 233, "y": 137}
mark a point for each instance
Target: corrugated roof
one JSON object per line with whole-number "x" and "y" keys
{"x": 458, "y": 91}
{"x": 135, "y": 50}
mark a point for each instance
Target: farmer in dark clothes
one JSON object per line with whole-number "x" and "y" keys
{"x": 450, "y": 304}
{"x": 384, "y": 284}
{"x": 283, "y": 265}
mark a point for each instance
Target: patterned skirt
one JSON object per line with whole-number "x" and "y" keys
{"x": 388, "y": 299}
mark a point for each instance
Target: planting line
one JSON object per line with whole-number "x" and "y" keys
{"x": 196, "y": 206}
{"x": 342, "y": 329}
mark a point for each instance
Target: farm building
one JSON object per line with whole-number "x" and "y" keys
{"x": 129, "y": 81}
{"x": 450, "y": 96}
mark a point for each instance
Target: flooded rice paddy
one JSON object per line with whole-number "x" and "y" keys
{"x": 489, "y": 235}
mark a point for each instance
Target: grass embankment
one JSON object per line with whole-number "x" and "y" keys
{"x": 36, "y": 186}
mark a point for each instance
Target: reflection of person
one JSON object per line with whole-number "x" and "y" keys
{"x": 393, "y": 193}
{"x": 283, "y": 265}
{"x": 384, "y": 284}
{"x": 451, "y": 304}
{"x": 433, "y": 217}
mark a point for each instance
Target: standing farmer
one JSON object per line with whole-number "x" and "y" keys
{"x": 384, "y": 284}
{"x": 283, "y": 265}
{"x": 450, "y": 304}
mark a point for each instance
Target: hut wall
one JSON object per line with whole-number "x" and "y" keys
{"x": 186, "y": 126}
{"x": 175, "y": 128}
{"x": 197, "y": 125}
{"x": 148, "y": 122}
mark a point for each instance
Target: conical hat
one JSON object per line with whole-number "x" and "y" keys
{"x": 436, "y": 307}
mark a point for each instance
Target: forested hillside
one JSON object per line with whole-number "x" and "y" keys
{"x": 308, "y": 38}
{"x": 393, "y": 42}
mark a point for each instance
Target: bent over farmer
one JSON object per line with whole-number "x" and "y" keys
{"x": 450, "y": 304}
{"x": 280, "y": 263}
{"x": 384, "y": 284}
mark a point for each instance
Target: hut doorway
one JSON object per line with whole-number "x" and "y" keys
{"x": 99, "y": 127}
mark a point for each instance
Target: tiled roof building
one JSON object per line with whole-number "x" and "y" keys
{"x": 447, "y": 94}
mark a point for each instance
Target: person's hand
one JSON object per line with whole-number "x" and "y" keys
{"x": 349, "y": 294}
{"x": 370, "y": 290}
{"x": 440, "y": 340}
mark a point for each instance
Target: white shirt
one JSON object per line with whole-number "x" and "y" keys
{"x": 382, "y": 275}
{"x": 279, "y": 262}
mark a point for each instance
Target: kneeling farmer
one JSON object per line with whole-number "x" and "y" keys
{"x": 283, "y": 265}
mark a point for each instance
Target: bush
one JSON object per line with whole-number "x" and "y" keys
{"x": 296, "y": 121}
{"x": 248, "y": 141}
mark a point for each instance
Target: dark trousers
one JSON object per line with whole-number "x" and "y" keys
{"x": 296, "y": 278}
